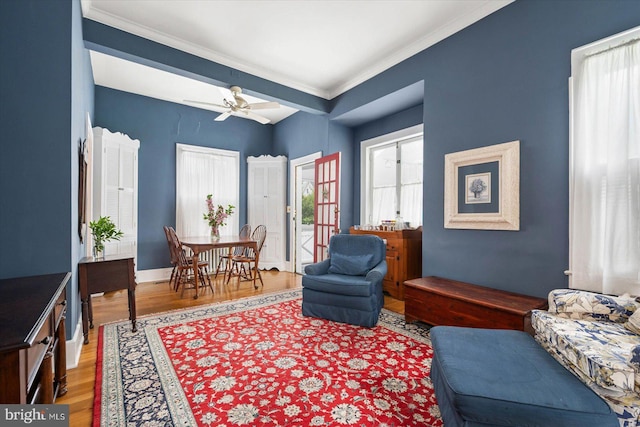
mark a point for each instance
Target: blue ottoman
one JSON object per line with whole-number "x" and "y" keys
{"x": 491, "y": 377}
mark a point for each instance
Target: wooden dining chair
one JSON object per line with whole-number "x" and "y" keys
{"x": 225, "y": 259}
{"x": 174, "y": 258}
{"x": 184, "y": 267}
{"x": 246, "y": 264}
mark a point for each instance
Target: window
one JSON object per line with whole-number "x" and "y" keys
{"x": 391, "y": 168}
{"x": 604, "y": 223}
{"x": 201, "y": 171}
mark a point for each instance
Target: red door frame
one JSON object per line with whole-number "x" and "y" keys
{"x": 326, "y": 203}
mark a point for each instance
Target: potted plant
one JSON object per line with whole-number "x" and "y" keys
{"x": 103, "y": 230}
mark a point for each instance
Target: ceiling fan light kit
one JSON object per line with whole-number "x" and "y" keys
{"x": 239, "y": 107}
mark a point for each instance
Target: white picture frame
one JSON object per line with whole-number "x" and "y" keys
{"x": 504, "y": 213}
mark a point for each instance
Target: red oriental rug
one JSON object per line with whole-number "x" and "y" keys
{"x": 259, "y": 362}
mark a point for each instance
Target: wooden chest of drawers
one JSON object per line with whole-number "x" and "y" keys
{"x": 404, "y": 258}
{"x": 32, "y": 339}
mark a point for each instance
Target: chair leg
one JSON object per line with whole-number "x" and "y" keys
{"x": 243, "y": 274}
{"x": 222, "y": 259}
{"x": 178, "y": 279}
{"x": 259, "y": 277}
{"x": 173, "y": 274}
{"x": 205, "y": 279}
{"x": 182, "y": 281}
{"x": 234, "y": 268}
{"x": 228, "y": 277}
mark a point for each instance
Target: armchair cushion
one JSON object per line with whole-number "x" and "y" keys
{"x": 339, "y": 284}
{"x": 351, "y": 265}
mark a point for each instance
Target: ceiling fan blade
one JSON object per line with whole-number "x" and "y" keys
{"x": 256, "y": 117}
{"x": 222, "y": 117}
{"x": 205, "y": 103}
{"x": 264, "y": 105}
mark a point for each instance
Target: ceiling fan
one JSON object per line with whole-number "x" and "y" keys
{"x": 239, "y": 107}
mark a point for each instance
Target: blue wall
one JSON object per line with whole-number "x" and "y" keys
{"x": 303, "y": 134}
{"x": 46, "y": 89}
{"x": 81, "y": 106}
{"x": 502, "y": 79}
{"x": 159, "y": 125}
{"x": 35, "y": 166}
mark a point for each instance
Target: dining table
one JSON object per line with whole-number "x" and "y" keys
{"x": 199, "y": 244}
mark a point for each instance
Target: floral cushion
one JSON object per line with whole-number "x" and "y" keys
{"x": 603, "y": 351}
{"x": 633, "y": 324}
{"x": 576, "y": 304}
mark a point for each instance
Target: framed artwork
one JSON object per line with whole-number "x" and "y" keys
{"x": 482, "y": 188}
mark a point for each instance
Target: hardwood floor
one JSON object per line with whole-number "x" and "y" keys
{"x": 154, "y": 298}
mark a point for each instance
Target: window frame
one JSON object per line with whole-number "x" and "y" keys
{"x": 234, "y": 155}
{"x": 366, "y": 146}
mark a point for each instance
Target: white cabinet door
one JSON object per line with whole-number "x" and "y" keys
{"x": 115, "y": 187}
{"x": 266, "y": 193}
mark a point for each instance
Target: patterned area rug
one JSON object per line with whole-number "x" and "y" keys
{"x": 259, "y": 362}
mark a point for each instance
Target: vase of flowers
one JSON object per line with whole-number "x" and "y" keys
{"x": 216, "y": 216}
{"x": 103, "y": 230}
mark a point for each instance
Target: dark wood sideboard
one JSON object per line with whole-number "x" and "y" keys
{"x": 32, "y": 339}
{"x": 439, "y": 301}
{"x": 404, "y": 258}
{"x": 111, "y": 273}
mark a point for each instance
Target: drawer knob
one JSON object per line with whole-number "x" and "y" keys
{"x": 46, "y": 341}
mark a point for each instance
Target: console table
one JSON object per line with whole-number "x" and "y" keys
{"x": 439, "y": 301}
{"x": 32, "y": 339}
{"x": 111, "y": 273}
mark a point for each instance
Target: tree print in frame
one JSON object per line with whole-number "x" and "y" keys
{"x": 482, "y": 188}
{"x": 478, "y": 188}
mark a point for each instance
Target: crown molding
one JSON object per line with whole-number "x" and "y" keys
{"x": 447, "y": 29}
{"x": 151, "y": 34}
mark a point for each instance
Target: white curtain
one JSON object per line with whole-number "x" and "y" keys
{"x": 201, "y": 171}
{"x": 411, "y": 205}
{"x": 605, "y": 222}
{"x": 383, "y": 204}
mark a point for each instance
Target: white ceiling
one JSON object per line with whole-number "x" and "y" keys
{"x": 320, "y": 47}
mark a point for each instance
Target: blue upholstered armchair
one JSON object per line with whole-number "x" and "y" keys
{"x": 347, "y": 287}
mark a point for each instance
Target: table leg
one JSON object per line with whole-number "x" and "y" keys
{"x": 194, "y": 260}
{"x": 132, "y": 296}
{"x": 90, "y": 303}
{"x": 132, "y": 309}
{"x": 85, "y": 320}
{"x": 60, "y": 370}
{"x": 46, "y": 381}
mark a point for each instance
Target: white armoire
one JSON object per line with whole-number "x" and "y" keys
{"x": 115, "y": 187}
{"x": 266, "y": 203}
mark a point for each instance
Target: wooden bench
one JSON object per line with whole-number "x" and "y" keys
{"x": 439, "y": 301}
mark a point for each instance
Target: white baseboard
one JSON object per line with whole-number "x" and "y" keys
{"x": 280, "y": 265}
{"x": 74, "y": 347}
{"x": 155, "y": 275}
